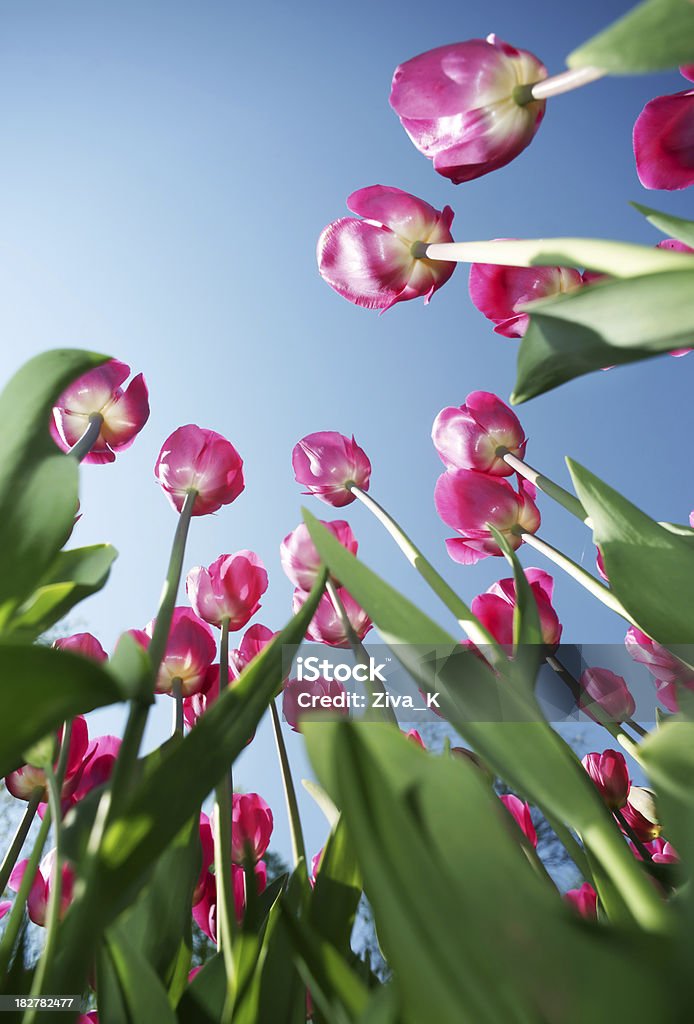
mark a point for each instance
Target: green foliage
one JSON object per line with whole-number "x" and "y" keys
{"x": 655, "y": 35}
{"x": 675, "y": 227}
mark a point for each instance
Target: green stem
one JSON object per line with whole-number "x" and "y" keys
{"x": 296, "y": 832}
{"x": 591, "y": 584}
{"x": 223, "y": 811}
{"x": 635, "y": 727}
{"x": 19, "y": 838}
{"x": 575, "y": 687}
{"x": 14, "y": 922}
{"x": 468, "y": 622}
{"x": 569, "y": 501}
{"x": 556, "y": 85}
{"x": 177, "y": 719}
{"x": 85, "y": 444}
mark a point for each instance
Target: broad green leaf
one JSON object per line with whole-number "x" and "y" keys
{"x": 383, "y": 1006}
{"x": 75, "y": 575}
{"x": 337, "y": 891}
{"x": 39, "y": 689}
{"x": 38, "y": 483}
{"x": 608, "y": 323}
{"x": 651, "y": 569}
{"x": 653, "y": 36}
{"x": 673, "y": 227}
{"x": 499, "y": 718}
{"x": 526, "y": 618}
{"x": 203, "y": 1000}
{"x": 134, "y": 994}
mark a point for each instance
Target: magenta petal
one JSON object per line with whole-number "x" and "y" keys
{"x": 403, "y": 213}
{"x": 461, "y": 552}
{"x": 365, "y": 263}
{"x": 664, "y": 142}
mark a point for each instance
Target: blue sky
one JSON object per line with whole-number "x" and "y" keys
{"x": 167, "y": 168}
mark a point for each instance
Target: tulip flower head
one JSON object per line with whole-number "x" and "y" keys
{"x": 25, "y": 781}
{"x": 495, "y": 608}
{"x": 584, "y": 900}
{"x": 605, "y": 689}
{"x": 372, "y": 262}
{"x": 470, "y": 437}
{"x": 299, "y": 557}
{"x": 668, "y": 671}
{"x": 200, "y": 460}
{"x": 326, "y": 625}
{"x": 205, "y": 909}
{"x": 326, "y": 463}
{"x": 251, "y": 827}
{"x": 662, "y": 852}
{"x": 99, "y": 393}
{"x": 610, "y": 774}
{"x": 5, "y": 907}
{"x": 468, "y": 501}
{"x": 639, "y": 813}
{"x": 459, "y": 105}
{"x": 254, "y": 640}
{"x": 190, "y": 650}
{"x": 521, "y": 813}
{"x": 230, "y": 588}
{"x": 664, "y": 140}
{"x": 82, "y": 643}
{"x": 319, "y": 697}
{"x": 39, "y": 894}
{"x": 501, "y": 292}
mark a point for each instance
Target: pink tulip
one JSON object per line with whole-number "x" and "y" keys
{"x": 609, "y": 772}
{"x": 299, "y": 557}
{"x": 254, "y": 640}
{"x": 495, "y": 608}
{"x": 190, "y": 650}
{"x": 584, "y": 900}
{"x": 200, "y": 460}
{"x": 99, "y": 392}
{"x": 205, "y": 910}
{"x": 691, "y": 519}
{"x": 230, "y": 588}
{"x": 198, "y": 702}
{"x": 662, "y": 852}
{"x": 98, "y": 765}
{"x": 669, "y": 672}
{"x": 5, "y": 907}
{"x": 326, "y": 463}
{"x": 301, "y": 698}
{"x": 640, "y": 815}
{"x": 23, "y": 782}
{"x": 370, "y": 262}
{"x": 469, "y": 437}
{"x": 315, "y": 865}
{"x": 326, "y": 626}
{"x": 607, "y": 690}
{"x": 93, "y": 1017}
{"x": 600, "y": 566}
{"x": 251, "y": 827}
{"x": 676, "y": 246}
{"x": 39, "y": 894}
{"x": 414, "y": 736}
{"x": 664, "y": 141}
{"x": 467, "y": 501}
{"x": 82, "y": 643}
{"x": 521, "y": 812}
{"x": 457, "y": 104}
{"x": 207, "y": 856}
{"x": 500, "y": 292}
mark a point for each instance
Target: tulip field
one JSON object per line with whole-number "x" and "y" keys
{"x": 137, "y": 885}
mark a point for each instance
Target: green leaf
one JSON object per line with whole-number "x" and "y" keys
{"x": 650, "y": 568}
{"x": 74, "y": 576}
{"x": 526, "y": 617}
{"x": 203, "y": 1000}
{"x": 38, "y": 483}
{"x": 337, "y": 891}
{"x": 39, "y": 689}
{"x": 129, "y": 990}
{"x": 653, "y": 36}
{"x": 608, "y": 323}
{"x": 673, "y": 227}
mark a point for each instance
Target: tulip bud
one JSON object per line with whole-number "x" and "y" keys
{"x": 495, "y": 608}
{"x": 584, "y": 900}
{"x": 99, "y": 393}
{"x": 299, "y": 557}
{"x": 521, "y": 812}
{"x": 501, "y": 292}
{"x": 470, "y": 437}
{"x": 326, "y": 625}
{"x": 230, "y": 588}
{"x": 326, "y": 463}
{"x": 603, "y": 689}
{"x": 371, "y": 262}
{"x": 251, "y": 827}
{"x": 190, "y": 650}
{"x": 414, "y": 736}
{"x": 468, "y": 501}
{"x": 458, "y": 105}
{"x": 610, "y": 774}
{"x": 640, "y": 814}
{"x": 663, "y": 140}
{"x": 200, "y": 460}
{"x": 322, "y": 696}
{"x": 315, "y": 865}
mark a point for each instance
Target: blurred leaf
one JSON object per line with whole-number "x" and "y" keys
{"x": 608, "y": 323}
{"x": 322, "y": 800}
{"x": 38, "y": 484}
{"x": 337, "y": 891}
{"x": 39, "y": 689}
{"x": 673, "y": 227}
{"x": 383, "y": 1006}
{"x": 203, "y": 1000}
{"x": 130, "y": 664}
{"x": 129, "y": 990}
{"x": 75, "y": 575}
{"x": 651, "y": 569}
{"x": 653, "y": 36}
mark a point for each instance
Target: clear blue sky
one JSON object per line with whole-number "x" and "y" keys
{"x": 167, "y": 168}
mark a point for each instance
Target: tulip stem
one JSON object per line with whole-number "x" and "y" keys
{"x": 574, "y": 686}
{"x": 569, "y": 501}
{"x": 635, "y": 727}
{"x": 19, "y": 838}
{"x": 591, "y": 584}
{"x": 88, "y": 439}
{"x": 295, "y": 829}
{"x": 567, "y": 81}
{"x": 14, "y": 922}
{"x": 467, "y": 621}
{"x": 55, "y": 897}
{"x": 177, "y": 717}
{"x": 223, "y": 816}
